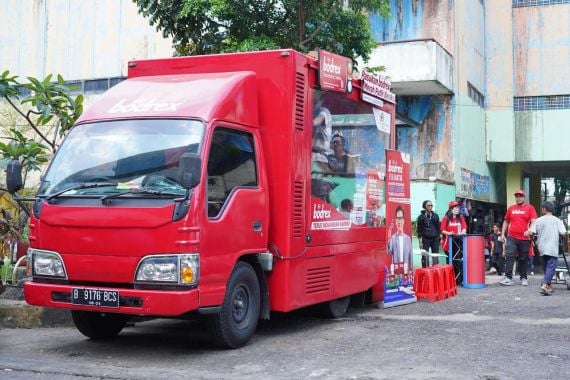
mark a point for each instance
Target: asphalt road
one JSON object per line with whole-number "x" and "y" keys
{"x": 492, "y": 333}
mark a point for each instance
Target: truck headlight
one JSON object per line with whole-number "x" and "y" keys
{"x": 171, "y": 269}
{"x": 47, "y": 263}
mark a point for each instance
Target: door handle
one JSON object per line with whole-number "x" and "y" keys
{"x": 256, "y": 226}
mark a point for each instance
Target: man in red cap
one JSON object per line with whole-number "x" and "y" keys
{"x": 517, "y": 222}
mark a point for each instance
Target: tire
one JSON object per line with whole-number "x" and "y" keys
{"x": 336, "y": 308}
{"x": 98, "y": 325}
{"x": 236, "y": 323}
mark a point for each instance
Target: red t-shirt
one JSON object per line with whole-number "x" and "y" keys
{"x": 455, "y": 225}
{"x": 519, "y": 218}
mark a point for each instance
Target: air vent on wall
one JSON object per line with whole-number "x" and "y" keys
{"x": 298, "y": 209}
{"x": 299, "y": 101}
{"x": 318, "y": 280}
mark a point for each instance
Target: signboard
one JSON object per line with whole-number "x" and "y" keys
{"x": 374, "y": 199}
{"x": 377, "y": 86}
{"x": 474, "y": 185}
{"x": 382, "y": 120}
{"x": 335, "y": 72}
{"x": 399, "y": 271}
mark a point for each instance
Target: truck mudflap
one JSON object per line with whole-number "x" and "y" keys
{"x": 169, "y": 303}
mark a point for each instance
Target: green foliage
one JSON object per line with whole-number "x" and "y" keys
{"x": 49, "y": 113}
{"x": 49, "y": 110}
{"x": 214, "y": 26}
{"x": 29, "y": 152}
{"x": 375, "y": 69}
{"x": 52, "y": 100}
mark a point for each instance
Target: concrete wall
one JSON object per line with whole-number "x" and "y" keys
{"x": 528, "y": 54}
{"x": 542, "y": 135}
{"x": 542, "y": 50}
{"x": 431, "y": 144}
{"x": 472, "y": 174}
{"x": 542, "y": 67}
{"x": 469, "y": 51}
{"x": 499, "y": 49}
{"x": 412, "y": 19}
{"x": 77, "y": 39}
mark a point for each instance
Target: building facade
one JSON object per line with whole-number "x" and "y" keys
{"x": 483, "y": 92}
{"x": 87, "y": 42}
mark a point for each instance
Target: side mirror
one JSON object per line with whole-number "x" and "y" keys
{"x": 189, "y": 170}
{"x": 14, "y": 176}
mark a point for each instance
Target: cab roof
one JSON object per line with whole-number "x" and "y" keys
{"x": 229, "y": 96}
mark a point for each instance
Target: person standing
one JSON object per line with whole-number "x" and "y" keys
{"x": 519, "y": 217}
{"x": 548, "y": 229}
{"x": 453, "y": 224}
{"x": 497, "y": 252}
{"x": 428, "y": 226}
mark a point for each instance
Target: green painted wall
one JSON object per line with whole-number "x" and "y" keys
{"x": 500, "y": 135}
{"x": 439, "y": 193}
{"x": 542, "y": 135}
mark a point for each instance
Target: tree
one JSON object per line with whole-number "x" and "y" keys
{"x": 36, "y": 124}
{"x": 49, "y": 111}
{"x": 215, "y": 26}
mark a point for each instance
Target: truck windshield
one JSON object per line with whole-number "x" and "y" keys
{"x": 122, "y": 156}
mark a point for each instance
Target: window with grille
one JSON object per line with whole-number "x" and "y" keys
{"x": 475, "y": 95}
{"x": 541, "y": 103}
{"x": 534, "y": 3}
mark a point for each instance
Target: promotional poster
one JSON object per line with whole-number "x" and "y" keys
{"x": 399, "y": 279}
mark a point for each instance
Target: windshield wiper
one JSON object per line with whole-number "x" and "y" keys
{"x": 81, "y": 186}
{"x": 138, "y": 192}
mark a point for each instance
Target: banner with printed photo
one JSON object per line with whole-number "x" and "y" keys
{"x": 399, "y": 279}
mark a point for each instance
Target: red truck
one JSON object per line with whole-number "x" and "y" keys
{"x": 226, "y": 185}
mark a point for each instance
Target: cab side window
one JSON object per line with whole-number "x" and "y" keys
{"x": 231, "y": 164}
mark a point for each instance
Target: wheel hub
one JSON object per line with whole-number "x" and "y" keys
{"x": 240, "y": 305}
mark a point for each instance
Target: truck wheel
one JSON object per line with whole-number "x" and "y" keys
{"x": 98, "y": 325}
{"x": 236, "y": 322}
{"x": 336, "y": 308}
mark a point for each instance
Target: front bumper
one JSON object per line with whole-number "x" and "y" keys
{"x": 166, "y": 303}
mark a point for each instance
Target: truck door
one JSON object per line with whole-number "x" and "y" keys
{"x": 236, "y": 212}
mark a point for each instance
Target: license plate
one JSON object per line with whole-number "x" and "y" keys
{"x": 95, "y": 297}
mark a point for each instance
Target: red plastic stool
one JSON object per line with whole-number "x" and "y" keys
{"x": 447, "y": 277}
{"x": 425, "y": 284}
{"x": 440, "y": 282}
{"x": 450, "y": 284}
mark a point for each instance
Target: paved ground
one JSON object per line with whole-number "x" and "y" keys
{"x": 493, "y": 333}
